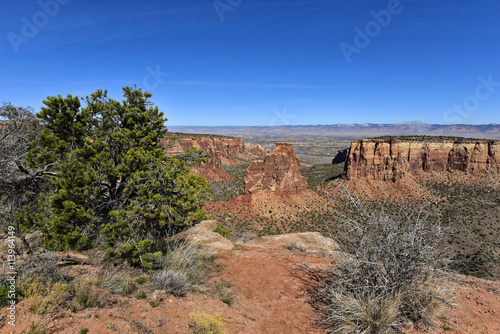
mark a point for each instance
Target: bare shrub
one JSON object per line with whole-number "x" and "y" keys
{"x": 174, "y": 281}
{"x": 42, "y": 266}
{"x": 389, "y": 275}
{"x": 19, "y": 185}
{"x": 294, "y": 246}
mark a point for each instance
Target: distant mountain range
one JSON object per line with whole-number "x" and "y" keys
{"x": 354, "y": 131}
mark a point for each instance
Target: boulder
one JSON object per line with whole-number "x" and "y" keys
{"x": 203, "y": 234}
{"x": 309, "y": 241}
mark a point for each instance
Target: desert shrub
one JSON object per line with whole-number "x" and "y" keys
{"x": 141, "y": 295}
{"x": 174, "y": 281}
{"x": 388, "y": 276}
{"x": 4, "y": 295}
{"x": 187, "y": 258}
{"x": 203, "y": 323}
{"x": 85, "y": 292}
{"x": 44, "y": 296}
{"x": 42, "y": 266}
{"x": 294, "y": 246}
{"x": 141, "y": 280}
{"x": 350, "y": 311}
{"x": 222, "y": 231}
{"x": 116, "y": 280}
{"x": 36, "y": 329}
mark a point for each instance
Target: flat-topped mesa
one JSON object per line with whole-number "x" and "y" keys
{"x": 392, "y": 159}
{"x": 278, "y": 173}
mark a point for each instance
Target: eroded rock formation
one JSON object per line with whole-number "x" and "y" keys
{"x": 390, "y": 160}
{"x": 223, "y": 150}
{"x": 279, "y": 172}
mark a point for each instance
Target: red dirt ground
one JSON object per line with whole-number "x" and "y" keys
{"x": 266, "y": 298}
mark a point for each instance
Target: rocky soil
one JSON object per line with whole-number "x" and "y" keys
{"x": 266, "y": 297}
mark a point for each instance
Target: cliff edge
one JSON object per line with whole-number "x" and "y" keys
{"x": 392, "y": 159}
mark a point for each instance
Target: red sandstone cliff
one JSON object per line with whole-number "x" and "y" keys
{"x": 392, "y": 159}
{"x": 279, "y": 172}
{"x": 223, "y": 150}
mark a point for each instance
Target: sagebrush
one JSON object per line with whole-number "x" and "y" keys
{"x": 388, "y": 275}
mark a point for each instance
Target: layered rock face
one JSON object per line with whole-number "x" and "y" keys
{"x": 223, "y": 150}
{"x": 279, "y": 172}
{"x": 390, "y": 160}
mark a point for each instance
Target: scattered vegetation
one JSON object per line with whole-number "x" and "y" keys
{"x": 429, "y": 139}
{"x": 475, "y": 213}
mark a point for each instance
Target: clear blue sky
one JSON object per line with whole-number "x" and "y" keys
{"x": 254, "y": 62}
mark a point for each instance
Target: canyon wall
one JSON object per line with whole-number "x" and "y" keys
{"x": 390, "y": 160}
{"x": 223, "y": 150}
{"x": 279, "y": 172}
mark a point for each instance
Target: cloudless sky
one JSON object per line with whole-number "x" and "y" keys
{"x": 254, "y": 62}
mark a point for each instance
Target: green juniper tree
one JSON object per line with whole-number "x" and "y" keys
{"x": 109, "y": 177}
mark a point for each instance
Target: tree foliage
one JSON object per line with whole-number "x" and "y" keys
{"x": 19, "y": 185}
{"x": 110, "y": 178}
